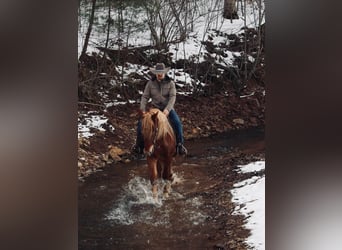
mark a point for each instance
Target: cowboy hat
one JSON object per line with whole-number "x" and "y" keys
{"x": 160, "y": 69}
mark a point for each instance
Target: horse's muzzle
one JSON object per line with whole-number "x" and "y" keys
{"x": 150, "y": 151}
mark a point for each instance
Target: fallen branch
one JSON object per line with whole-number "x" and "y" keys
{"x": 92, "y": 104}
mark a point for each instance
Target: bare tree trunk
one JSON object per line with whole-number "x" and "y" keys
{"x": 230, "y": 10}
{"x": 91, "y": 21}
{"x": 151, "y": 22}
{"x": 177, "y": 15}
{"x": 109, "y": 23}
{"x": 120, "y": 16}
{"x": 109, "y": 20}
{"x": 245, "y": 42}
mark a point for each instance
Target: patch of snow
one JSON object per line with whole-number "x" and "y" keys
{"x": 92, "y": 121}
{"x": 250, "y": 197}
{"x": 251, "y": 94}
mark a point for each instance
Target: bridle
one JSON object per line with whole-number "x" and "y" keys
{"x": 155, "y": 133}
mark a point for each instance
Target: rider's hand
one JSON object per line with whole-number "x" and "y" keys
{"x": 141, "y": 113}
{"x": 166, "y": 112}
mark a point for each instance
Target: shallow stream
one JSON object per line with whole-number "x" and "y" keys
{"x": 117, "y": 211}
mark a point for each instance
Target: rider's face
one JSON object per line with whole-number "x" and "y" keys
{"x": 160, "y": 76}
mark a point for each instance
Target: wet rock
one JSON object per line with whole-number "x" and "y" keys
{"x": 219, "y": 246}
{"x": 105, "y": 157}
{"x": 115, "y": 153}
{"x": 239, "y": 121}
{"x": 116, "y": 150}
{"x": 196, "y": 130}
{"x": 83, "y": 141}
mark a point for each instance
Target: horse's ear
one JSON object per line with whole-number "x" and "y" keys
{"x": 154, "y": 116}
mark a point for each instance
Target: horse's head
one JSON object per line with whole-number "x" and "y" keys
{"x": 155, "y": 127}
{"x": 150, "y": 129}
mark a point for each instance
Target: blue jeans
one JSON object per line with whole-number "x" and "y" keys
{"x": 175, "y": 123}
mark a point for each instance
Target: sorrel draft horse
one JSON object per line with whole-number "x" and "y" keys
{"x": 159, "y": 147}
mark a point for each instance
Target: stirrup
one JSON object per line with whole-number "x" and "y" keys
{"x": 181, "y": 150}
{"x": 136, "y": 149}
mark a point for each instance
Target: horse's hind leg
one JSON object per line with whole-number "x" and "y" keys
{"x": 152, "y": 167}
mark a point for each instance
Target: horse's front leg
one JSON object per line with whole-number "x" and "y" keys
{"x": 167, "y": 175}
{"x": 152, "y": 168}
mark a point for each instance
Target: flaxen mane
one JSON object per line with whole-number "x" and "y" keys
{"x": 164, "y": 126}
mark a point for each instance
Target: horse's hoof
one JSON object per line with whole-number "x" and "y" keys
{"x": 166, "y": 195}
{"x": 155, "y": 198}
{"x": 167, "y": 188}
{"x": 155, "y": 192}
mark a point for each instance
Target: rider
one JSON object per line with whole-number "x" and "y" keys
{"x": 162, "y": 90}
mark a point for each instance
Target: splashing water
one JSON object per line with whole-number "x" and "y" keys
{"x": 137, "y": 205}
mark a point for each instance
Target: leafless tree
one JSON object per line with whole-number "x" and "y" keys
{"x": 257, "y": 46}
{"x": 230, "y": 10}
{"x": 109, "y": 23}
{"x": 168, "y": 21}
{"x": 90, "y": 26}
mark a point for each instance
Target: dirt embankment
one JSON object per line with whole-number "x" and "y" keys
{"x": 201, "y": 117}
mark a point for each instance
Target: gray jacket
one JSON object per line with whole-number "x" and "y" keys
{"x": 163, "y": 94}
